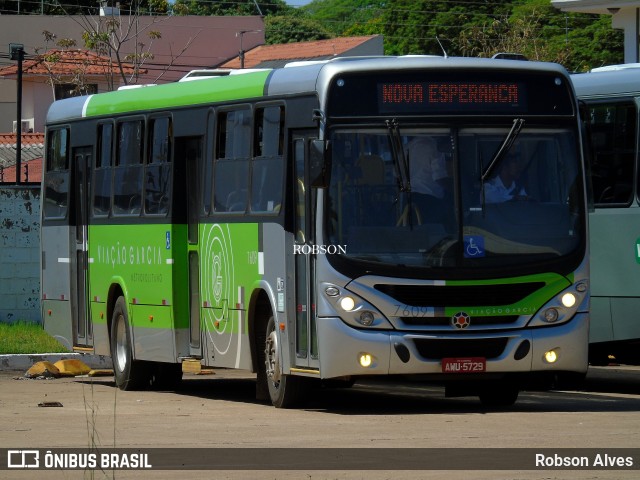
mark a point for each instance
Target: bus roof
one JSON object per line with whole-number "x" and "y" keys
{"x": 308, "y": 78}
{"x": 605, "y": 83}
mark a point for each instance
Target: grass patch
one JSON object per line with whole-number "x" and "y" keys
{"x": 23, "y": 337}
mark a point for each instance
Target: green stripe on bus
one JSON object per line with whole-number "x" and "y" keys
{"x": 219, "y": 89}
{"x": 553, "y": 284}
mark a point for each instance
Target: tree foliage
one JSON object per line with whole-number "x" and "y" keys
{"x": 287, "y": 29}
{"x": 222, "y": 8}
{"x": 480, "y": 28}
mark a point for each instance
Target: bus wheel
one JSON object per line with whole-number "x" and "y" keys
{"x": 499, "y": 395}
{"x": 129, "y": 374}
{"x": 285, "y": 391}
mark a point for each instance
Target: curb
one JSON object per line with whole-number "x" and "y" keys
{"x": 23, "y": 362}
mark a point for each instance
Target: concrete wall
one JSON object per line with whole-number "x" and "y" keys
{"x": 19, "y": 253}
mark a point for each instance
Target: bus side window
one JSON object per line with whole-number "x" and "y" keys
{"x": 267, "y": 166}
{"x": 231, "y": 166}
{"x": 56, "y": 188}
{"x": 127, "y": 188}
{"x": 613, "y": 139}
{"x": 157, "y": 178}
{"x": 102, "y": 173}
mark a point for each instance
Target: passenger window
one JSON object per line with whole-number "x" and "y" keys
{"x": 127, "y": 182}
{"x": 267, "y": 168}
{"x": 157, "y": 181}
{"x": 231, "y": 166}
{"x": 102, "y": 173}
{"x": 56, "y": 188}
{"x": 613, "y": 141}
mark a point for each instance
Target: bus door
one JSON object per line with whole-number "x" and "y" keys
{"x": 190, "y": 149}
{"x": 304, "y": 198}
{"x": 82, "y": 327}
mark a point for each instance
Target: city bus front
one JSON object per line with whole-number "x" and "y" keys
{"x": 456, "y": 196}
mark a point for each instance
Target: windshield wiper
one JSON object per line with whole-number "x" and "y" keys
{"x": 506, "y": 145}
{"x": 399, "y": 159}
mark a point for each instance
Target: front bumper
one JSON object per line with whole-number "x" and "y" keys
{"x": 407, "y": 353}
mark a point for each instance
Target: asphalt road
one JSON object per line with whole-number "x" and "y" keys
{"x": 219, "y": 413}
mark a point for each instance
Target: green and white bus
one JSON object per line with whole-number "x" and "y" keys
{"x": 267, "y": 221}
{"x": 612, "y": 98}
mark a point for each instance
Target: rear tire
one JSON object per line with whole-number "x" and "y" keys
{"x": 285, "y": 391}
{"x": 129, "y": 374}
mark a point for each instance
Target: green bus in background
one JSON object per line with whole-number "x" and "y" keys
{"x": 612, "y": 98}
{"x": 325, "y": 221}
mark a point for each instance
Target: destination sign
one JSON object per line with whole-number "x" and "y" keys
{"x": 449, "y": 92}
{"x": 398, "y": 97}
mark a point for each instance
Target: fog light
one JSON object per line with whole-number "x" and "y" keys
{"x": 347, "y": 304}
{"x": 365, "y": 360}
{"x": 551, "y": 356}
{"x": 568, "y": 300}
{"x": 550, "y": 315}
{"x": 366, "y": 318}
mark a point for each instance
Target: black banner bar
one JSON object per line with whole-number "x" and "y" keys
{"x": 309, "y": 459}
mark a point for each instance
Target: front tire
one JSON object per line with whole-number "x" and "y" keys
{"x": 285, "y": 391}
{"x": 129, "y": 374}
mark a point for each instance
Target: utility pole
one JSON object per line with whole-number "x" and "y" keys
{"x": 16, "y": 52}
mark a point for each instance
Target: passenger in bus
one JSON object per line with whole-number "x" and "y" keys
{"x": 427, "y": 167}
{"x": 506, "y": 185}
{"x": 431, "y": 180}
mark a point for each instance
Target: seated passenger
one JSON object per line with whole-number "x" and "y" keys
{"x": 505, "y": 185}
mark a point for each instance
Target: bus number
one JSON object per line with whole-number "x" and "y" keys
{"x": 412, "y": 311}
{"x": 252, "y": 257}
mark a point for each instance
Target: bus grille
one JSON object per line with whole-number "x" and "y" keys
{"x": 459, "y": 295}
{"x": 446, "y": 321}
{"x": 434, "y": 349}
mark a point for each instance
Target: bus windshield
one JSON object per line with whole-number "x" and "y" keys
{"x": 423, "y": 198}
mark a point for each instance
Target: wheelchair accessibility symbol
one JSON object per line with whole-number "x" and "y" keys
{"x": 473, "y": 246}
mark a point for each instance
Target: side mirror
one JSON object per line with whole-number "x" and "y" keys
{"x": 319, "y": 163}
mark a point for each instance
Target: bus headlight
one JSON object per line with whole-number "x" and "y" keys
{"x": 366, "y": 318}
{"x": 353, "y": 309}
{"x": 562, "y": 307}
{"x": 550, "y": 315}
{"x": 568, "y": 299}
{"x": 347, "y": 304}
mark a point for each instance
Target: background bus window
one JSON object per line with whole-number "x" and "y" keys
{"x": 267, "y": 169}
{"x": 613, "y": 142}
{"x": 231, "y": 167}
{"x": 56, "y": 189}
{"x": 157, "y": 183}
{"x": 127, "y": 188}
{"x": 102, "y": 172}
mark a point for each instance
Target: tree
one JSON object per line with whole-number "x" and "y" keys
{"x": 341, "y": 16}
{"x": 541, "y": 32}
{"x": 284, "y": 29}
{"x": 112, "y": 37}
{"x": 222, "y": 8}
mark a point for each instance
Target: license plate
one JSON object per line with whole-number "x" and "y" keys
{"x": 464, "y": 365}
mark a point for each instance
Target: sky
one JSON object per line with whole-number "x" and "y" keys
{"x": 297, "y": 3}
